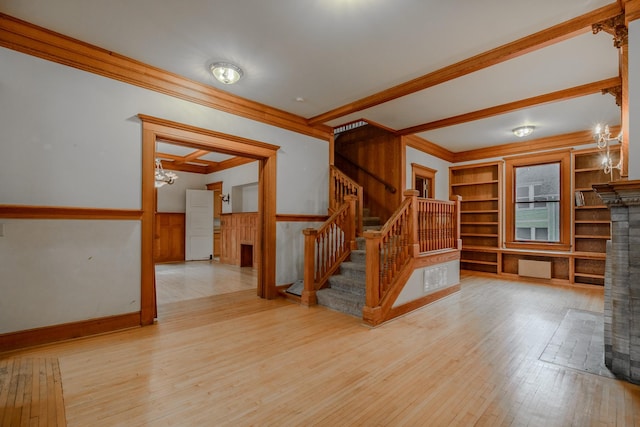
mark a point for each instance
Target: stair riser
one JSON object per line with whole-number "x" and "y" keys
{"x": 353, "y": 273}
{"x": 335, "y": 303}
{"x": 357, "y": 288}
{"x": 358, "y": 257}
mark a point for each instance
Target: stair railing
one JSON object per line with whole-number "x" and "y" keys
{"x": 340, "y": 186}
{"x": 387, "y": 185}
{"x": 325, "y": 248}
{"x": 419, "y": 226}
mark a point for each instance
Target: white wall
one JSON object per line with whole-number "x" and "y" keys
{"x": 71, "y": 138}
{"x": 172, "y": 198}
{"x": 634, "y": 99}
{"x": 61, "y": 271}
{"x": 237, "y": 177}
{"x": 441, "y": 166}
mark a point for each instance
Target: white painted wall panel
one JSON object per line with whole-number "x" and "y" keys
{"x": 442, "y": 174}
{"x": 59, "y": 271}
{"x": 425, "y": 281}
{"x": 171, "y": 198}
{"x": 71, "y": 138}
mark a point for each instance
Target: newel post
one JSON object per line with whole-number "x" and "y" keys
{"x": 350, "y": 234}
{"x": 372, "y": 312}
{"x": 413, "y": 210}
{"x": 308, "y": 296}
{"x": 457, "y": 216}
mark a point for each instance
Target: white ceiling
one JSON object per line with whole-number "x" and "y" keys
{"x": 334, "y": 52}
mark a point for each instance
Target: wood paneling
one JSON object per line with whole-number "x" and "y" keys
{"x": 380, "y": 152}
{"x": 169, "y": 237}
{"x": 238, "y": 231}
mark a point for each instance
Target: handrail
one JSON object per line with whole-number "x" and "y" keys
{"x": 340, "y": 187}
{"x": 387, "y": 186}
{"x": 325, "y": 248}
{"x": 419, "y": 226}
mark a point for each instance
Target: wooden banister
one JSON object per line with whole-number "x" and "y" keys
{"x": 340, "y": 186}
{"x": 389, "y": 187}
{"x": 418, "y": 227}
{"x": 326, "y": 248}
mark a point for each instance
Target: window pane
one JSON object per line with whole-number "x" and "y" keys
{"x": 537, "y": 202}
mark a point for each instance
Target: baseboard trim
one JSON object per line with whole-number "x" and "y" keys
{"x": 421, "y": 302}
{"x": 49, "y": 334}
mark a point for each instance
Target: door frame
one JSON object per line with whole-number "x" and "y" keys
{"x": 154, "y": 129}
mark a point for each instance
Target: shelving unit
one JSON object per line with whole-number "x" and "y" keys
{"x": 480, "y": 224}
{"x": 591, "y": 222}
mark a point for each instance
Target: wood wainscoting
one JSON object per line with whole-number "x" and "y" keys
{"x": 239, "y": 239}
{"x": 169, "y": 237}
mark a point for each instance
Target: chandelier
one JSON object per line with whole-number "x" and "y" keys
{"x": 603, "y": 138}
{"x": 163, "y": 177}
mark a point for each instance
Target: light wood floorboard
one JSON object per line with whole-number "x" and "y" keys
{"x": 197, "y": 279}
{"x": 236, "y": 360}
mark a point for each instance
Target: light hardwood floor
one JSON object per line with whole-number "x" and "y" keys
{"x": 472, "y": 358}
{"x": 197, "y": 279}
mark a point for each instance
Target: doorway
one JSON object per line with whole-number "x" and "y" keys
{"x": 155, "y": 129}
{"x": 423, "y": 179}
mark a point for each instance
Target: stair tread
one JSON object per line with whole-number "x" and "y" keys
{"x": 354, "y": 265}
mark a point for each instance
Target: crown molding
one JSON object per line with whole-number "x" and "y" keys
{"x": 33, "y": 40}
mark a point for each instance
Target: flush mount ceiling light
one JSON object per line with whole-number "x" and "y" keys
{"x": 226, "y": 72}
{"x": 523, "y": 131}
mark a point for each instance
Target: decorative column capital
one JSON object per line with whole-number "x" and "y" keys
{"x": 620, "y": 193}
{"x": 614, "y": 26}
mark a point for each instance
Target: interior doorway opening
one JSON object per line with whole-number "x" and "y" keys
{"x": 154, "y": 130}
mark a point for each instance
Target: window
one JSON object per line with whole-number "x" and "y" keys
{"x": 538, "y": 201}
{"x": 537, "y": 204}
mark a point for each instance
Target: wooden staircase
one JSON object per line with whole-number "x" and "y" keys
{"x": 346, "y": 291}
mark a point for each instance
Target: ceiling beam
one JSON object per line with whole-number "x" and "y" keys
{"x": 574, "y": 92}
{"x": 230, "y": 163}
{"x": 192, "y": 156}
{"x": 184, "y": 167}
{"x": 541, "y": 144}
{"x": 539, "y": 40}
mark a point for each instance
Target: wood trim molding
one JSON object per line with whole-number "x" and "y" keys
{"x": 542, "y": 144}
{"x": 429, "y": 147}
{"x": 631, "y": 11}
{"x": 574, "y": 92}
{"x": 301, "y": 218}
{"x": 229, "y": 163}
{"x": 170, "y": 131}
{"x": 544, "y": 38}
{"x": 154, "y": 129}
{"x": 66, "y": 331}
{"x": 562, "y": 157}
{"x": 43, "y": 43}
{"x": 63, "y": 212}
{"x": 421, "y": 302}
